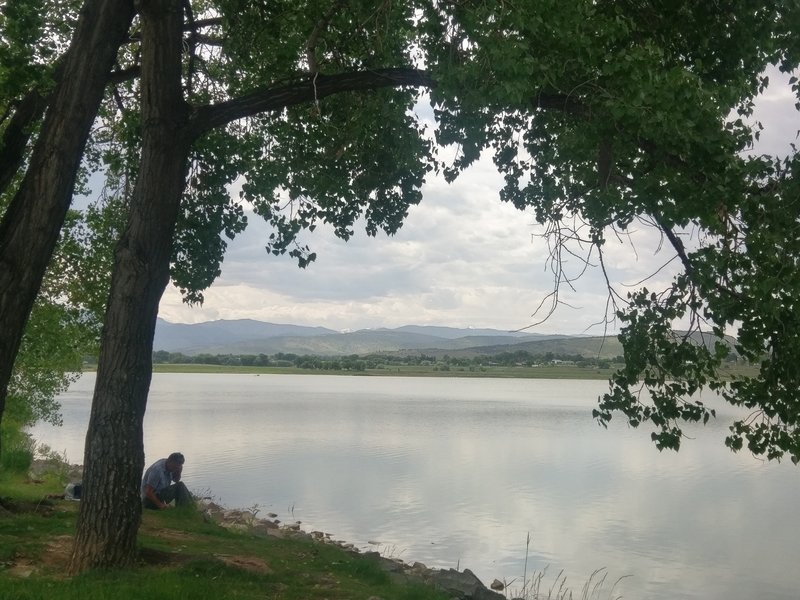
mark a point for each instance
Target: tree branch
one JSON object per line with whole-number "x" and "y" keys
{"x": 311, "y": 44}
{"x": 562, "y": 102}
{"x": 191, "y": 42}
{"x": 192, "y": 27}
{"x": 28, "y": 111}
{"x": 16, "y": 135}
{"x": 205, "y": 40}
{"x": 311, "y": 89}
{"x": 676, "y": 243}
{"x": 210, "y": 22}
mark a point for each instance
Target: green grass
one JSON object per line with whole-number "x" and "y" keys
{"x": 550, "y": 372}
{"x": 544, "y": 372}
{"x": 181, "y": 556}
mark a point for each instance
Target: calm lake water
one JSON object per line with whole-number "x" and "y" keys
{"x": 456, "y": 472}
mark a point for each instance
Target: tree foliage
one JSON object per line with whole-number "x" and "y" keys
{"x": 618, "y": 115}
{"x": 602, "y": 117}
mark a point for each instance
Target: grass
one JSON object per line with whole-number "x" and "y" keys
{"x": 543, "y": 372}
{"x": 181, "y": 556}
{"x": 184, "y": 556}
{"x": 548, "y": 372}
{"x": 536, "y": 588}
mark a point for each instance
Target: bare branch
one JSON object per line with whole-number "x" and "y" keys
{"x": 677, "y": 244}
{"x": 210, "y": 22}
{"x": 205, "y": 40}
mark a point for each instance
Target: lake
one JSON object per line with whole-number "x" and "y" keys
{"x": 456, "y": 472}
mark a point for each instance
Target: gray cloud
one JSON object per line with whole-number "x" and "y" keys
{"x": 463, "y": 258}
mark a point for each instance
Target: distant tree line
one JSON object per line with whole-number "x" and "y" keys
{"x": 355, "y": 362}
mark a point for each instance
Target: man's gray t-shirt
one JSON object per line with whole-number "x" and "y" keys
{"x": 157, "y": 476}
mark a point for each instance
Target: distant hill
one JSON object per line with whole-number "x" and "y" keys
{"x": 256, "y": 337}
{"x": 452, "y": 333}
{"x": 589, "y": 347}
{"x": 197, "y": 337}
{"x": 246, "y": 336}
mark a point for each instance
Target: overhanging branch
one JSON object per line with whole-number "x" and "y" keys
{"x": 279, "y": 97}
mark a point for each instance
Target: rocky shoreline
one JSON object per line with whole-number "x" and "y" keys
{"x": 462, "y": 585}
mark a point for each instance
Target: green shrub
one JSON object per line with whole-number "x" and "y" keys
{"x": 17, "y": 449}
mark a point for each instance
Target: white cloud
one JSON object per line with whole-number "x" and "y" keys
{"x": 463, "y": 258}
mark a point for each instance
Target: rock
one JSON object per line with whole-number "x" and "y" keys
{"x": 264, "y": 528}
{"x": 463, "y": 584}
{"x": 420, "y": 570}
{"x": 498, "y": 585}
{"x": 391, "y": 566}
{"x": 234, "y": 526}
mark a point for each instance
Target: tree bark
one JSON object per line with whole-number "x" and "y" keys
{"x": 17, "y": 134}
{"x": 114, "y": 456}
{"x": 30, "y": 227}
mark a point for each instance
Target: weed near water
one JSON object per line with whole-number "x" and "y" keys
{"x": 536, "y": 587}
{"x": 540, "y": 587}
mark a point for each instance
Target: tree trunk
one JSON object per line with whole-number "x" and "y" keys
{"x": 30, "y": 227}
{"x": 111, "y": 508}
{"x": 114, "y": 456}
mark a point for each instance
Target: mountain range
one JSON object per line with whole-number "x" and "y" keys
{"x": 245, "y": 336}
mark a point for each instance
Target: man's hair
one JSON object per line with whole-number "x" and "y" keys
{"x": 176, "y": 457}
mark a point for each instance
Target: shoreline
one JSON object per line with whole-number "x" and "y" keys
{"x": 567, "y": 372}
{"x": 460, "y": 584}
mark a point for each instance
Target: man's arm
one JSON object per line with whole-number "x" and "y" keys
{"x": 176, "y": 475}
{"x": 150, "y": 493}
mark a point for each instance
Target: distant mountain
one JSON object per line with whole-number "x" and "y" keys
{"x": 452, "y": 333}
{"x": 195, "y": 338}
{"x": 246, "y": 336}
{"x": 256, "y": 337}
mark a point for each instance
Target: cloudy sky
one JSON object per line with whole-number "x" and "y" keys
{"x": 462, "y": 259}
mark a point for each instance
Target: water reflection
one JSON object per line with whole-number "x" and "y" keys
{"x": 457, "y": 471}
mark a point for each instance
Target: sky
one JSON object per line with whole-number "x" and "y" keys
{"x": 462, "y": 259}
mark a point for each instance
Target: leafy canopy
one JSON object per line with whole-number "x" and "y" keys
{"x": 615, "y": 115}
{"x": 600, "y": 116}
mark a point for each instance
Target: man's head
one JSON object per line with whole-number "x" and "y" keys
{"x": 175, "y": 462}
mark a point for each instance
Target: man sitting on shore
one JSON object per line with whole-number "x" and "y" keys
{"x": 162, "y": 484}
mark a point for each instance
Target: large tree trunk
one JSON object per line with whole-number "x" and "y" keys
{"x": 114, "y": 456}
{"x": 30, "y": 227}
{"x": 110, "y": 509}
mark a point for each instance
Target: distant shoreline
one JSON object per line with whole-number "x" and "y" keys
{"x": 516, "y": 372}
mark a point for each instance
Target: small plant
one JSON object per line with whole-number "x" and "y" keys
{"x": 593, "y": 589}
{"x": 17, "y": 454}
{"x": 58, "y": 466}
{"x": 532, "y": 589}
{"x": 392, "y": 551}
